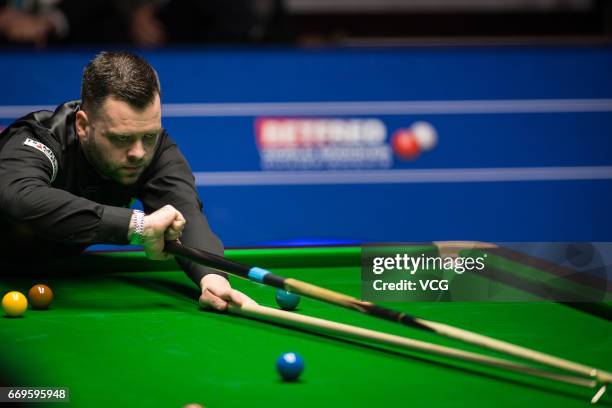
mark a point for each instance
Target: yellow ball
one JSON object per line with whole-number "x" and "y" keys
{"x": 14, "y": 303}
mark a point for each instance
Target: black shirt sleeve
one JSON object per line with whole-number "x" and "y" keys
{"x": 26, "y": 196}
{"x": 169, "y": 180}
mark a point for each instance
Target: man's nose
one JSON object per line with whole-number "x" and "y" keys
{"x": 137, "y": 151}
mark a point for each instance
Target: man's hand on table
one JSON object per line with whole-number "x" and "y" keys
{"x": 167, "y": 223}
{"x": 217, "y": 293}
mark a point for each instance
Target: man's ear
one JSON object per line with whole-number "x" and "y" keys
{"x": 82, "y": 124}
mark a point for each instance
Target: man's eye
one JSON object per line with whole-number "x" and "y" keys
{"x": 150, "y": 136}
{"x": 121, "y": 139}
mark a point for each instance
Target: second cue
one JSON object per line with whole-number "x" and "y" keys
{"x": 316, "y": 292}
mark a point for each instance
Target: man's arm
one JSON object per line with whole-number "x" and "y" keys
{"x": 27, "y": 169}
{"x": 26, "y": 196}
{"x": 170, "y": 181}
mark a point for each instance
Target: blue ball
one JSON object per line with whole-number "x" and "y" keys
{"x": 287, "y": 300}
{"x": 290, "y": 366}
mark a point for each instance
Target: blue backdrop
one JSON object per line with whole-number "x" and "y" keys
{"x": 524, "y": 148}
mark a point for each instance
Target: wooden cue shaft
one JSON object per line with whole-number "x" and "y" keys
{"x": 313, "y": 323}
{"x": 452, "y": 248}
{"x": 516, "y": 350}
{"x": 329, "y": 296}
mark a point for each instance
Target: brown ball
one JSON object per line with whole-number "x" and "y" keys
{"x": 40, "y": 296}
{"x": 193, "y": 405}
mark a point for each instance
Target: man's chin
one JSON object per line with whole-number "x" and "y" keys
{"x": 127, "y": 180}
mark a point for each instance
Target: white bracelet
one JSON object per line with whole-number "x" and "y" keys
{"x": 138, "y": 220}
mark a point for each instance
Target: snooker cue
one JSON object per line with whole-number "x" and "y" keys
{"x": 316, "y": 325}
{"x": 316, "y": 292}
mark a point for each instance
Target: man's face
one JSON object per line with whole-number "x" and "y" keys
{"x": 118, "y": 140}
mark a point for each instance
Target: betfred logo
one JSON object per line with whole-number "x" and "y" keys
{"x": 307, "y": 133}
{"x": 332, "y": 143}
{"x": 316, "y": 144}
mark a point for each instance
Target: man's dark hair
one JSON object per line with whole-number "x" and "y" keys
{"x": 121, "y": 75}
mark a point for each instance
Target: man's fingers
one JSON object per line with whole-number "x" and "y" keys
{"x": 209, "y": 300}
{"x": 217, "y": 293}
{"x": 166, "y": 223}
{"x": 175, "y": 230}
{"x": 234, "y": 297}
{"x": 178, "y": 224}
{"x": 155, "y": 251}
{"x": 212, "y": 301}
{"x": 172, "y": 234}
{"x": 240, "y": 298}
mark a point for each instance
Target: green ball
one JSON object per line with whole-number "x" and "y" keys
{"x": 287, "y": 300}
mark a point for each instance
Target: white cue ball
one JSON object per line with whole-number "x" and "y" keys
{"x": 425, "y": 134}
